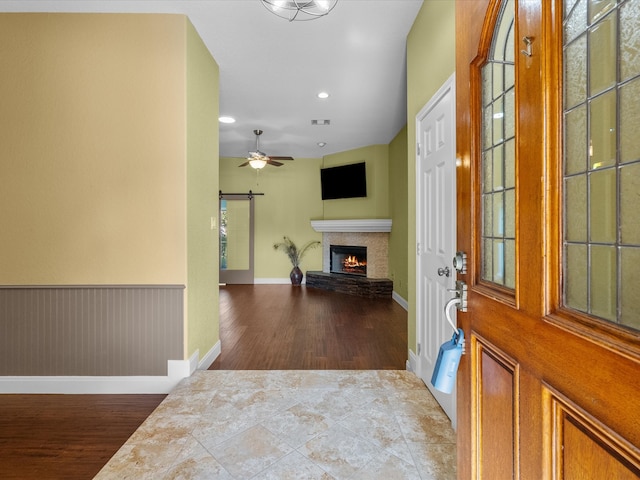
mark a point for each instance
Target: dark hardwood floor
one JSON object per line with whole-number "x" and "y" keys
{"x": 261, "y": 327}
{"x": 66, "y": 436}
{"x": 281, "y": 327}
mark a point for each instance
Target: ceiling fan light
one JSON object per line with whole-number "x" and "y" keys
{"x": 323, "y": 4}
{"x": 299, "y": 10}
{"x": 257, "y": 163}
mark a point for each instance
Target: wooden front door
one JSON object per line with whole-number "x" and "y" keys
{"x": 549, "y": 387}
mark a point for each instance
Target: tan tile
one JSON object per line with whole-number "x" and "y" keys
{"x": 414, "y": 402}
{"x": 435, "y": 461}
{"x": 297, "y": 425}
{"x": 250, "y": 452}
{"x": 375, "y": 426}
{"x": 387, "y": 467}
{"x": 426, "y": 428}
{"x": 293, "y": 467}
{"x": 399, "y": 379}
{"x": 196, "y": 463}
{"x": 339, "y": 451}
{"x": 331, "y": 403}
{"x": 236, "y": 424}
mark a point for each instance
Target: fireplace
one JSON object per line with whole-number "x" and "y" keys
{"x": 348, "y": 259}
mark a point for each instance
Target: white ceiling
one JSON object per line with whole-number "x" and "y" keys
{"x": 271, "y": 70}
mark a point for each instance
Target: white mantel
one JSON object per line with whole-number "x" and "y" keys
{"x": 355, "y": 225}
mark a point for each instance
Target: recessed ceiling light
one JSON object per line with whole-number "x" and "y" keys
{"x": 227, "y": 120}
{"x": 323, "y": 95}
{"x": 322, "y": 144}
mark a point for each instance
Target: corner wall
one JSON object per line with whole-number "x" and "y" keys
{"x": 202, "y": 330}
{"x": 398, "y": 266}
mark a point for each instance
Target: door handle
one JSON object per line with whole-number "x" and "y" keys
{"x": 444, "y": 272}
{"x": 461, "y": 291}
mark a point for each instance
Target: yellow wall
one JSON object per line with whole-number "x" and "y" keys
{"x": 291, "y": 199}
{"x": 376, "y": 203}
{"x": 92, "y": 147}
{"x": 202, "y": 331}
{"x": 430, "y": 62}
{"x": 398, "y": 207}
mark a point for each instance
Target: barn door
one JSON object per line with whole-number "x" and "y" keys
{"x": 549, "y": 154}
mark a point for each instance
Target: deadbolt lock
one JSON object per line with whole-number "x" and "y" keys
{"x": 460, "y": 262}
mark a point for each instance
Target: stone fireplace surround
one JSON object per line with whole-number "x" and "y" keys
{"x": 373, "y": 234}
{"x": 370, "y": 233}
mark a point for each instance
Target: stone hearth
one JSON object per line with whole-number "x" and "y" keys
{"x": 351, "y": 284}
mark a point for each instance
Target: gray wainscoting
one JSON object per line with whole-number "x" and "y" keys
{"x": 90, "y": 330}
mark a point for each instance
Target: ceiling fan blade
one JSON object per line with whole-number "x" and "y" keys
{"x": 280, "y": 158}
{"x": 244, "y": 164}
{"x": 274, "y": 163}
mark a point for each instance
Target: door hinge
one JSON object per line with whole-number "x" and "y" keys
{"x": 418, "y": 147}
{"x": 418, "y": 248}
{"x": 419, "y": 348}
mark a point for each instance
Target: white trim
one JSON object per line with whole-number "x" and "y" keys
{"x": 193, "y": 361}
{"x": 358, "y": 225}
{"x": 276, "y": 281}
{"x": 400, "y": 301}
{"x": 412, "y": 362}
{"x": 177, "y": 370}
{"x": 210, "y": 357}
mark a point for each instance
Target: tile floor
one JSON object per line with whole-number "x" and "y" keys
{"x": 295, "y": 424}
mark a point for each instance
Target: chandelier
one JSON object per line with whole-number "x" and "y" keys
{"x": 299, "y": 10}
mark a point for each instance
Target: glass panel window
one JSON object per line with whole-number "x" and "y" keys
{"x": 498, "y": 154}
{"x": 630, "y": 121}
{"x": 629, "y": 47}
{"x": 601, "y": 167}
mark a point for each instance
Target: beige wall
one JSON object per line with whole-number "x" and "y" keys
{"x": 430, "y": 62}
{"x": 92, "y": 147}
{"x": 202, "y": 331}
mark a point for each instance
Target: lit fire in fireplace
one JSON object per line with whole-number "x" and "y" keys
{"x": 352, "y": 263}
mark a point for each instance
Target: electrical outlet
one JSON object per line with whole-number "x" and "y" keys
{"x": 213, "y": 223}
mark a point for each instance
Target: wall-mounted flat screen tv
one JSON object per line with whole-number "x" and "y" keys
{"x": 344, "y": 181}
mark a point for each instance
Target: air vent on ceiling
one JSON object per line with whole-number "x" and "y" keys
{"x": 320, "y": 122}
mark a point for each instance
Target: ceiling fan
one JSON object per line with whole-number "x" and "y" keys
{"x": 258, "y": 159}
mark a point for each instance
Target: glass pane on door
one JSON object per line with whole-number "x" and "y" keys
{"x": 497, "y": 245}
{"x": 601, "y": 159}
{"x": 234, "y": 235}
{"x": 236, "y": 240}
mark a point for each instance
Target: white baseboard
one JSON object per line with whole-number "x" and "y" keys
{"x": 138, "y": 384}
{"x": 210, "y": 357}
{"x": 412, "y": 362}
{"x": 400, "y": 301}
{"x": 276, "y": 281}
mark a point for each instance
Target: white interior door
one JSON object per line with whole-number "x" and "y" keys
{"x": 436, "y": 232}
